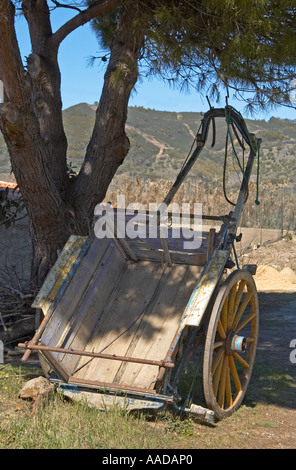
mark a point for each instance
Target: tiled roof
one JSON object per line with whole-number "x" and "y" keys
{"x": 7, "y": 184}
{"x": 12, "y": 192}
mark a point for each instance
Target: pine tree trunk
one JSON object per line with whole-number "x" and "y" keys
{"x": 47, "y": 212}
{"x": 109, "y": 143}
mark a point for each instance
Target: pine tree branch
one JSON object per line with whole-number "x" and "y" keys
{"x": 38, "y": 18}
{"x": 82, "y": 18}
{"x": 12, "y": 72}
{"x": 63, "y": 5}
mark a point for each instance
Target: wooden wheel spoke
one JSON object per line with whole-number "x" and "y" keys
{"x": 238, "y": 298}
{"x": 250, "y": 340}
{"x": 217, "y": 375}
{"x": 241, "y": 309}
{"x": 241, "y": 360}
{"x": 246, "y": 320}
{"x": 228, "y": 386}
{"x": 217, "y": 360}
{"x": 222, "y": 385}
{"x": 234, "y": 374}
{"x": 232, "y": 296}
{"x": 221, "y": 330}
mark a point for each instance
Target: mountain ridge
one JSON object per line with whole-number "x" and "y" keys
{"x": 161, "y": 140}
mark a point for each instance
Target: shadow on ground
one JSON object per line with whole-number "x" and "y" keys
{"x": 274, "y": 375}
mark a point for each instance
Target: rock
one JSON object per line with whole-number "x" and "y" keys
{"x": 255, "y": 246}
{"x": 288, "y": 274}
{"x": 36, "y": 388}
{"x": 267, "y": 273}
{"x": 268, "y": 278}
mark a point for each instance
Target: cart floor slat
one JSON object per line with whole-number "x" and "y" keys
{"x": 140, "y": 321}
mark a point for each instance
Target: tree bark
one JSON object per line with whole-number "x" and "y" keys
{"x": 47, "y": 212}
{"x": 109, "y": 143}
{"x": 43, "y": 68}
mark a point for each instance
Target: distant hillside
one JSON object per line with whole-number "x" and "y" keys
{"x": 160, "y": 141}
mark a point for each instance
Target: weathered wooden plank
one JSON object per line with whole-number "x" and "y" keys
{"x": 152, "y": 329}
{"x": 204, "y": 290}
{"x": 111, "y": 386}
{"x": 59, "y": 273}
{"x": 173, "y": 243}
{"x": 197, "y": 259}
{"x": 56, "y": 285}
{"x": 133, "y": 298}
{"x": 149, "y": 254}
{"x": 145, "y": 326}
{"x": 155, "y": 249}
{"x": 158, "y": 333}
{"x": 99, "y": 328}
{"x": 59, "y": 323}
{"x": 91, "y": 292}
{"x": 92, "y": 306}
{"x": 96, "y": 340}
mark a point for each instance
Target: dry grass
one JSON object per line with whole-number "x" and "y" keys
{"x": 276, "y": 208}
{"x": 259, "y": 423}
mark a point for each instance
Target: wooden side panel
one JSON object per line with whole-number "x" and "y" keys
{"x": 116, "y": 328}
{"x": 61, "y": 273}
{"x": 180, "y": 253}
{"x": 73, "y": 306}
{"x": 93, "y": 305}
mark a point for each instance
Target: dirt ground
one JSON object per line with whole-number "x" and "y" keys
{"x": 278, "y": 255}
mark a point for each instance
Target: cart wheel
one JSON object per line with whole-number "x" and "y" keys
{"x": 230, "y": 345}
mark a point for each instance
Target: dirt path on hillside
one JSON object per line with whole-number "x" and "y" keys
{"x": 160, "y": 145}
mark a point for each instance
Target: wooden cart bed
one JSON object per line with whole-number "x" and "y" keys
{"x": 116, "y": 306}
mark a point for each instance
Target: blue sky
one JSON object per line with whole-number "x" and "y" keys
{"x": 82, "y": 83}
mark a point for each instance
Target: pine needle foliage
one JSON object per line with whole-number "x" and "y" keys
{"x": 247, "y": 47}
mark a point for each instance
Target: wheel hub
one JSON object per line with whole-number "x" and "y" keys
{"x": 235, "y": 343}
